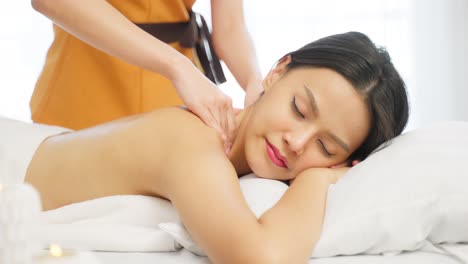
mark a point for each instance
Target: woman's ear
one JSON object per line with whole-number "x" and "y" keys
{"x": 277, "y": 72}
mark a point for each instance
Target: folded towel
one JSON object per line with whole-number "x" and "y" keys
{"x": 114, "y": 223}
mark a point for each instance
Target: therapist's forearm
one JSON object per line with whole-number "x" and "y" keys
{"x": 234, "y": 46}
{"x": 99, "y": 24}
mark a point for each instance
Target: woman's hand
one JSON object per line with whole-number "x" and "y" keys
{"x": 336, "y": 173}
{"x": 207, "y": 101}
{"x": 332, "y": 174}
{"x": 346, "y": 164}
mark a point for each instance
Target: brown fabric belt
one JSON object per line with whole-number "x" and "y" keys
{"x": 191, "y": 34}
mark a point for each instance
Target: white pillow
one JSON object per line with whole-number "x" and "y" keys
{"x": 403, "y": 197}
{"x": 412, "y": 192}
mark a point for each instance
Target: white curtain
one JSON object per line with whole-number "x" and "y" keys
{"x": 427, "y": 39}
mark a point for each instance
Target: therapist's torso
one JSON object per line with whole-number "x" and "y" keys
{"x": 81, "y": 86}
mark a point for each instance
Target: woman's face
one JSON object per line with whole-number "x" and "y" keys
{"x": 307, "y": 117}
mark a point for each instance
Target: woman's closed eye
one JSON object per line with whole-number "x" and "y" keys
{"x": 298, "y": 112}
{"x": 324, "y": 149}
{"x": 296, "y": 109}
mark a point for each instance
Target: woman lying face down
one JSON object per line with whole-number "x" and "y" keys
{"x": 331, "y": 102}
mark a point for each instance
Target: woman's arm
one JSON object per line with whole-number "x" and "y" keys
{"x": 203, "y": 185}
{"x": 295, "y": 222}
{"x": 234, "y": 46}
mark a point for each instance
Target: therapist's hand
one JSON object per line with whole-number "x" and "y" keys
{"x": 207, "y": 101}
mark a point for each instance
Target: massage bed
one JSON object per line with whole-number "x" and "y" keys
{"x": 184, "y": 256}
{"x": 406, "y": 203}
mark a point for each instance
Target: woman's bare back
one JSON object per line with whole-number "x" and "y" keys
{"x": 126, "y": 156}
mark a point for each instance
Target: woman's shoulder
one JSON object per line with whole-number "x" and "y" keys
{"x": 175, "y": 115}
{"x": 180, "y": 124}
{"x": 175, "y": 118}
{"x": 179, "y": 141}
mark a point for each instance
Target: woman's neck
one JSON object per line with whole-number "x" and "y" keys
{"x": 237, "y": 154}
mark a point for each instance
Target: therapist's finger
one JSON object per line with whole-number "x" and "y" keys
{"x": 208, "y": 117}
{"x": 231, "y": 129}
{"x": 224, "y": 115}
{"x": 218, "y": 112}
{"x": 236, "y": 111}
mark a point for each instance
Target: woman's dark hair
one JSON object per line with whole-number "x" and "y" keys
{"x": 370, "y": 70}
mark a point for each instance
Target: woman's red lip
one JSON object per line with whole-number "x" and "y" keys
{"x": 275, "y": 156}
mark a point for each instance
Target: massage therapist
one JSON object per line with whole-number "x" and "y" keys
{"x": 114, "y": 58}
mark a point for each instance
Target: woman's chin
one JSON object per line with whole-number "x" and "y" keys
{"x": 260, "y": 171}
{"x": 266, "y": 174}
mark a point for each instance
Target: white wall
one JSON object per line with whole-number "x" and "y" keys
{"x": 24, "y": 38}
{"x": 439, "y": 44}
{"x": 427, "y": 39}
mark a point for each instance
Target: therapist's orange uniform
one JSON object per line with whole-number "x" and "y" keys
{"x": 80, "y": 86}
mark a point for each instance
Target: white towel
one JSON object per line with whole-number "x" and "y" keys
{"x": 18, "y": 143}
{"x": 114, "y": 223}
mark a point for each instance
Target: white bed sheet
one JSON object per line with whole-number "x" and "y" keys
{"x": 184, "y": 256}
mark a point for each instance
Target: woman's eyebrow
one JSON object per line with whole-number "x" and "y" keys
{"x": 339, "y": 141}
{"x": 315, "y": 110}
{"x": 313, "y": 102}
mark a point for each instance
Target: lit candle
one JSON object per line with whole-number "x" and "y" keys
{"x": 57, "y": 255}
{"x": 55, "y": 250}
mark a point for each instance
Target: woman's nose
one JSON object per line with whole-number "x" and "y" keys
{"x": 297, "y": 141}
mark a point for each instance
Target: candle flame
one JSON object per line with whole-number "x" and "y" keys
{"x": 55, "y": 250}
{"x": 1, "y": 187}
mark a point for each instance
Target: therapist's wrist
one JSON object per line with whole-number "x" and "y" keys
{"x": 253, "y": 91}
{"x": 177, "y": 67}
{"x": 254, "y": 85}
